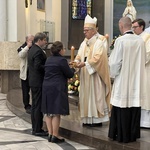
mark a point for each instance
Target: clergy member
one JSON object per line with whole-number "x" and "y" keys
{"x": 138, "y": 27}
{"x": 95, "y": 84}
{"x": 127, "y": 67}
{"x": 148, "y": 28}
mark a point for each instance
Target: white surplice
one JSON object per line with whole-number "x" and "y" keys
{"x": 127, "y": 66}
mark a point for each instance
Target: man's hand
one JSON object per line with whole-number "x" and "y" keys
{"x": 29, "y": 44}
{"x": 80, "y": 64}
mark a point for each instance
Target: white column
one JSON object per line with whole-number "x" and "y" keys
{"x": 109, "y": 19}
{"x": 3, "y": 20}
{"x": 16, "y": 20}
{"x": 56, "y": 17}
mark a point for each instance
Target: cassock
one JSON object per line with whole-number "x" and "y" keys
{"x": 95, "y": 84}
{"x": 127, "y": 67}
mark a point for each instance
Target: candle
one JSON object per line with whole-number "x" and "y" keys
{"x": 107, "y": 36}
{"x": 72, "y": 53}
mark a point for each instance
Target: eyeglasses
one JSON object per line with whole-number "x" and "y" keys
{"x": 134, "y": 27}
{"x": 87, "y": 30}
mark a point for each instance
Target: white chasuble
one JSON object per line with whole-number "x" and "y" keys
{"x": 94, "y": 87}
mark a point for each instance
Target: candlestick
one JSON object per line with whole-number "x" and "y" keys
{"x": 72, "y": 53}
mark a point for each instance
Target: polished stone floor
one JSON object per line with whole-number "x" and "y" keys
{"x": 72, "y": 129}
{"x": 15, "y": 134}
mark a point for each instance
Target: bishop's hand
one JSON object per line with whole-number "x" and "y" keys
{"x": 80, "y": 64}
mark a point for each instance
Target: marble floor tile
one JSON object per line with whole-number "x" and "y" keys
{"x": 71, "y": 128}
{"x": 15, "y": 134}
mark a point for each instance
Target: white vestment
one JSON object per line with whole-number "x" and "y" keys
{"x": 93, "y": 90}
{"x": 104, "y": 40}
{"x": 145, "y": 113}
{"x": 127, "y": 67}
{"x": 147, "y": 30}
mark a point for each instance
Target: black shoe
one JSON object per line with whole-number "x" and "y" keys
{"x": 49, "y": 137}
{"x": 145, "y": 127}
{"x": 85, "y": 124}
{"x": 28, "y": 110}
{"x": 54, "y": 139}
{"x": 92, "y": 125}
{"x": 96, "y": 125}
{"x": 41, "y": 133}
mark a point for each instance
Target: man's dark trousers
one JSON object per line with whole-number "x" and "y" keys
{"x": 25, "y": 92}
{"x": 36, "y": 114}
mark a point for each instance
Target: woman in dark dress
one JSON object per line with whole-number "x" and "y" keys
{"x": 55, "y": 90}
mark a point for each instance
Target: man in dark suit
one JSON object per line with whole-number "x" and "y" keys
{"x": 36, "y": 61}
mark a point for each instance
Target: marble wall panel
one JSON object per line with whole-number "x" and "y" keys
{"x": 9, "y": 59}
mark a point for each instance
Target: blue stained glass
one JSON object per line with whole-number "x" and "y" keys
{"x": 80, "y": 8}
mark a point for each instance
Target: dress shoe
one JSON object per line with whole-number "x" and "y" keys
{"x": 55, "y": 139}
{"x": 92, "y": 125}
{"x": 145, "y": 127}
{"x": 49, "y": 137}
{"x": 96, "y": 125}
{"x": 85, "y": 124}
{"x": 41, "y": 133}
{"x": 28, "y": 109}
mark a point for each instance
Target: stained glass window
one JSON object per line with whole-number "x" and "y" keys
{"x": 80, "y": 8}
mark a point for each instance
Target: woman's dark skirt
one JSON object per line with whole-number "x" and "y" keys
{"x": 125, "y": 124}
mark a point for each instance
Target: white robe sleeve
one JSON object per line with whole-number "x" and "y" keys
{"x": 90, "y": 69}
{"x": 147, "y": 44}
{"x": 115, "y": 59}
{"x": 24, "y": 52}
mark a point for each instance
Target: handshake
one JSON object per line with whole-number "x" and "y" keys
{"x": 73, "y": 64}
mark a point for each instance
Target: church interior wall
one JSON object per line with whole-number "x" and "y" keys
{"x": 3, "y": 20}
{"x": 75, "y": 27}
{"x": 141, "y": 8}
{"x": 12, "y": 20}
{"x": 108, "y": 20}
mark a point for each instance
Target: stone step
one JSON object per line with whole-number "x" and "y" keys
{"x": 72, "y": 129}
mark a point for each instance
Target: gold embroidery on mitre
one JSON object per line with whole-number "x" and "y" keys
{"x": 90, "y": 25}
